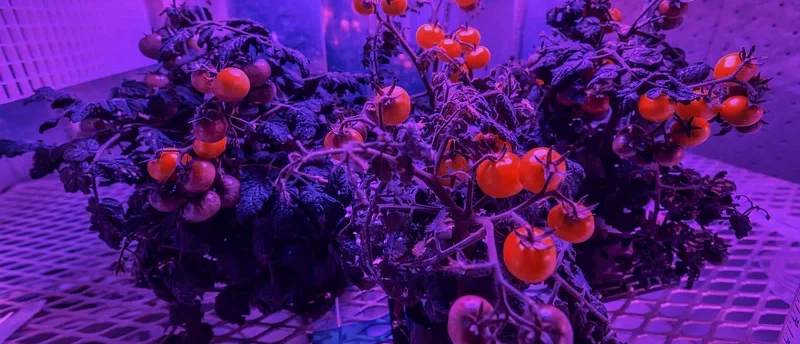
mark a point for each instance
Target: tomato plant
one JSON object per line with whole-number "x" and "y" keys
{"x": 276, "y": 189}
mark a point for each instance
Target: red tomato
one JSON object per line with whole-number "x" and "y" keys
{"x": 531, "y": 264}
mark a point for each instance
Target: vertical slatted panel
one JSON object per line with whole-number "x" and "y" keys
{"x": 59, "y": 43}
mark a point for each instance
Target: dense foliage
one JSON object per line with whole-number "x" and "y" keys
{"x": 275, "y": 189}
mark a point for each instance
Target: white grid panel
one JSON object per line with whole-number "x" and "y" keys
{"x": 60, "y": 43}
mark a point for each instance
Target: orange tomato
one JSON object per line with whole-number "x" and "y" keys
{"x": 335, "y": 140}
{"x": 209, "y": 150}
{"x": 394, "y": 7}
{"x": 456, "y": 75}
{"x": 745, "y": 118}
{"x": 363, "y": 7}
{"x": 499, "y": 179}
{"x": 571, "y": 225}
{"x": 428, "y": 35}
{"x": 398, "y": 108}
{"x": 478, "y": 58}
{"x": 452, "y": 49}
{"x": 231, "y": 85}
{"x": 469, "y": 35}
{"x": 163, "y": 166}
{"x": 696, "y": 108}
{"x": 530, "y": 264}
{"x": 659, "y": 109}
{"x": 455, "y": 164}
{"x": 533, "y": 174}
{"x": 493, "y": 141}
{"x": 616, "y": 15}
{"x": 728, "y": 64}
{"x": 734, "y": 107}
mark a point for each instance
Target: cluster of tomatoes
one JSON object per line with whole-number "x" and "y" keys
{"x": 693, "y": 127}
{"x": 191, "y": 177}
{"x": 465, "y": 41}
{"x": 672, "y": 12}
{"x": 398, "y": 7}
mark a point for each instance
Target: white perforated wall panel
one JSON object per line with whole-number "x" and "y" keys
{"x": 60, "y": 43}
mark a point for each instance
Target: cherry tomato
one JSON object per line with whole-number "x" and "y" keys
{"x": 700, "y": 132}
{"x": 596, "y": 104}
{"x": 209, "y": 150}
{"x": 532, "y": 172}
{"x": 363, "y": 7}
{"x": 728, "y": 64}
{"x": 478, "y": 58}
{"x": 228, "y": 190}
{"x": 150, "y": 45}
{"x": 493, "y": 141}
{"x": 156, "y": 80}
{"x": 469, "y": 35}
{"x": 231, "y": 85}
{"x": 456, "y": 75}
{"x": 199, "y": 176}
{"x": 465, "y": 313}
{"x": 428, "y": 35}
{"x": 258, "y": 72}
{"x": 561, "y": 332}
{"x": 696, "y": 108}
{"x": 746, "y": 118}
{"x": 452, "y": 49}
{"x": 671, "y": 23}
{"x": 668, "y": 9}
{"x": 263, "y": 94}
{"x": 202, "y": 209}
{"x": 668, "y": 154}
{"x": 467, "y": 5}
{"x": 531, "y": 264}
{"x": 398, "y": 108}
{"x": 210, "y": 130}
{"x": 335, "y": 140}
{"x": 571, "y": 225}
{"x": 201, "y": 81}
{"x": 454, "y": 164}
{"x": 659, "y": 109}
{"x": 623, "y": 145}
{"x": 734, "y": 107}
{"x": 394, "y": 7}
{"x": 165, "y": 202}
{"x": 499, "y": 179}
{"x": 163, "y": 166}
{"x": 616, "y": 15}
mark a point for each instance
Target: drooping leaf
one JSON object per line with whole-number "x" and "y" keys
{"x": 131, "y": 89}
{"x": 589, "y": 26}
{"x": 694, "y": 73}
{"x": 304, "y": 120}
{"x": 107, "y": 219}
{"x": 275, "y": 130}
{"x": 76, "y": 177}
{"x": 573, "y": 66}
{"x": 256, "y": 189}
{"x": 154, "y": 138}
{"x": 642, "y": 56}
{"x": 80, "y": 150}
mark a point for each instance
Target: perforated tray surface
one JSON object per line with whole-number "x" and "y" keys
{"x": 46, "y": 253}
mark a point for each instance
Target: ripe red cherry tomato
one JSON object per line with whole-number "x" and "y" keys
{"x": 668, "y": 9}
{"x": 394, "y": 7}
{"x": 465, "y": 312}
{"x": 571, "y": 225}
{"x": 162, "y": 168}
{"x": 201, "y": 81}
{"x": 531, "y": 264}
{"x": 616, "y": 15}
{"x": 209, "y": 150}
{"x": 456, "y": 75}
{"x": 231, "y": 85}
{"x": 699, "y": 134}
{"x": 499, "y": 178}
{"x": 469, "y": 35}
{"x": 467, "y": 5}
{"x": 478, "y": 58}
{"x": 428, "y": 35}
{"x": 457, "y": 163}
{"x": 532, "y": 172}
{"x": 363, "y": 7}
{"x": 398, "y": 108}
{"x": 659, "y": 109}
{"x": 745, "y": 118}
{"x": 696, "y": 108}
{"x": 728, "y": 64}
{"x": 734, "y": 107}
{"x": 452, "y": 49}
